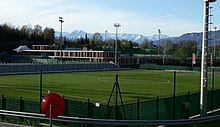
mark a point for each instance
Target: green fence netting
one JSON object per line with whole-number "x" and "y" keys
{"x": 161, "y": 109}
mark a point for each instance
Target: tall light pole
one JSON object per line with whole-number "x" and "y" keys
{"x": 204, "y": 63}
{"x": 197, "y": 49}
{"x": 158, "y": 50}
{"x": 61, "y": 37}
{"x": 215, "y": 41}
{"x": 116, "y": 37}
{"x": 106, "y": 35}
{"x": 210, "y": 36}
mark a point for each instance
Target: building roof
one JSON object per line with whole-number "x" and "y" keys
{"x": 21, "y": 48}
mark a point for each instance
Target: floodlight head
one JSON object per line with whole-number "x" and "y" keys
{"x": 159, "y": 31}
{"x": 61, "y": 19}
{"x": 117, "y": 24}
{"x": 210, "y": 1}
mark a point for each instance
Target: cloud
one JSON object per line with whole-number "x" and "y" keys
{"x": 167, "y": 16}
{"x": 88, "y": 16}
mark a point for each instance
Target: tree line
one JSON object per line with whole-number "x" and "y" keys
{"x": 166, "y": 46}
{"x": 11, "y": 37}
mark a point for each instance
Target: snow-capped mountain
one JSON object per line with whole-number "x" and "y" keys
{"x": 139, "y": 38}
{"x": 74, "y": 35}
{"x": 130, "y": 37}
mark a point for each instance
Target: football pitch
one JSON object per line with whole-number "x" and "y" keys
{"x": 97, "y": 86}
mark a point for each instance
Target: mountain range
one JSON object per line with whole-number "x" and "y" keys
{"x": 130, "y": 37}
{"x": 139, "y": 38}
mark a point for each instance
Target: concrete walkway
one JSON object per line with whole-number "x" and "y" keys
{"x": 11, "y": 125}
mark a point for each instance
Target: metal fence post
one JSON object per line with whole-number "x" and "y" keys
{"x": 66, "y": 110}
{"x": 188, "y": 99}
{"x": 116, "y": 99}
{"x": 131, "y": 113}
{"x": 188, "y": 96}
{"x": 66, "y": 107}
{"x": 21, "y": 108}
{"x": 213, "y": 83}
{"x": 88, "y": 111}
{"x": 157, "y": 112}
{"x": 41, "y": 83}
{"x": 3, "y": 105}
{"x": 174, "y": 96}
{"x": 138, "y": 109}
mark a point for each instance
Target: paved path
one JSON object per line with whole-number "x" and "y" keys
{"x": 11, "y": 125}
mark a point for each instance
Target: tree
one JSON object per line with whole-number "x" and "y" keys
{"x": 110, "y": 42}
{"x": 126, "y": 44}
{"x": 97, "y": 39}
{"x": 146, "y": 44}
{"x": 37, "y": 30}
{"x": 180, "y": 55}
{"x": 166, "y": 47}
{"x": 184, "y": 49}
{"x": 48, "y": 35}
{"x": 188, "y": 47}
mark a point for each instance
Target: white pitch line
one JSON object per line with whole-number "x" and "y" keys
{"x": 101, "y": 79}
{"x": 98, "y": 100}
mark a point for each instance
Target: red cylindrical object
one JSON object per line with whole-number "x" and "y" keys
{"x": 57, "y": 103}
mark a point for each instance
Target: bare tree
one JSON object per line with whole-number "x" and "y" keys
{"x": 166, "y": 47}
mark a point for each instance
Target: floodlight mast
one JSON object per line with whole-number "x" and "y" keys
{"x": 204, "y": 61}
{"x": 215, "y": 42}
{"x": 61, "y": 37}
{"x": 116, "y": 36}
{"x": 158, "y": 49}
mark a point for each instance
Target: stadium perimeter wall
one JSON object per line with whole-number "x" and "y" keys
{"x": 167, "y": 67}
{"x": 33, "y": 68}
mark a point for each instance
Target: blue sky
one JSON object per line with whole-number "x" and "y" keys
{"x": 173, "y": 17}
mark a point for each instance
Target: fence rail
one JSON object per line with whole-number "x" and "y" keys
{"x": 111, "y": 121}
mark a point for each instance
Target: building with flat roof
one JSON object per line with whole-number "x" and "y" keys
{"x": 89, "y": 55}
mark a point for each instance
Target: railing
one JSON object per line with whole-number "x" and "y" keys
{"x": 111, "y": 121}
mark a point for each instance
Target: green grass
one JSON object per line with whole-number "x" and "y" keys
{"x": 134, "y": 84}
